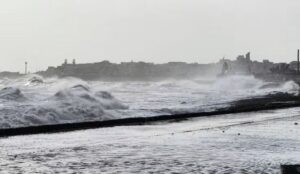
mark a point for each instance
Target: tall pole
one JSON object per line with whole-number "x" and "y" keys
{"x": 298, "y": 62}
{"x": 25, "y": 67}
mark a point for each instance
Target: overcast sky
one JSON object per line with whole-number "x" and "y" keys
{"x": 45, "y": 32}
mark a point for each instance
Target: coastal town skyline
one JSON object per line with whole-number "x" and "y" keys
{"x": 30, "y": 69}
{"x": 140, "y": 70}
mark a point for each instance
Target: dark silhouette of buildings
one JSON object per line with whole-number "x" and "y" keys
{"x": 106, "y": 70}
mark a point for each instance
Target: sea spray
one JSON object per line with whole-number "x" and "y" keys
{"x": 64, "y": 100}
{"x": 74, "y": 104}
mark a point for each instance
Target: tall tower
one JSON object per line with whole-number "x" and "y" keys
{"x": 248, "y": 57}
{"x": 298, "y": 61}
{"x": 26, "y": 67}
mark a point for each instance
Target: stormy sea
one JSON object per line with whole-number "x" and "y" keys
{"x": 252, "y": 142}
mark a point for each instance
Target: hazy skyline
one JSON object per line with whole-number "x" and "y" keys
{"x": 44, "y": 33}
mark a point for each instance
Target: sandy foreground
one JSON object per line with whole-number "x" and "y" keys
{"x": 238, "y": 143}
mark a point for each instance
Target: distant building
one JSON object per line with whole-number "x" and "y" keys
{"x": 248, "y": 57}
{"x": 240, "y": 58}
{"x": 7, "y": 74}
{"x": 293, "y": 65}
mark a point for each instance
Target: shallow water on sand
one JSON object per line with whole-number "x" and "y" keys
{"x": 237, "y": 143}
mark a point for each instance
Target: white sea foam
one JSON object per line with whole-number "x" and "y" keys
{"x": 78, "y": 103}
{"x": 10, "y": 93}
{"x": 25, "y": 102}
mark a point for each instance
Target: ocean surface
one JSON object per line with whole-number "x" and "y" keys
{"x": 256, "y": 142}
{"x": 33, "y": 100}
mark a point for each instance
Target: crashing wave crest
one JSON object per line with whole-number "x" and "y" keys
{"x": 74, "y": 104}
{"x": 11, "y": 93}
{"x": 73, "y": 100}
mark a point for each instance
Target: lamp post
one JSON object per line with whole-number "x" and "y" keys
{"x": 26, "y": 67}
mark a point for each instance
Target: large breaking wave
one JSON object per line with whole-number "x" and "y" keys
{"x": 33, "y": 100}
{"x": 72, "y": 104}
